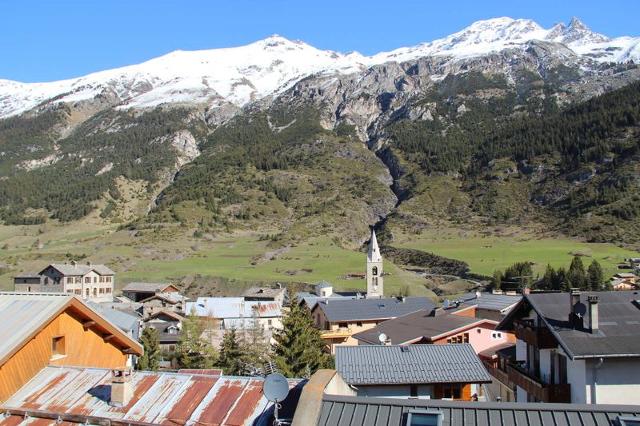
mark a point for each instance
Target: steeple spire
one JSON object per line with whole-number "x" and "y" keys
{"x": 375, "y": 284}
{"x": 373, "y": 255}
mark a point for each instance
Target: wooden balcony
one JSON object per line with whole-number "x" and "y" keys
{"x": 534, "y": 386}
{"x": 539, "y": 337}
{"x": 499, "y": 375}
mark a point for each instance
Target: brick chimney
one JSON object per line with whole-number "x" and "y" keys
{"x": 593, "y": 313}
{"x": 121, "y": 388}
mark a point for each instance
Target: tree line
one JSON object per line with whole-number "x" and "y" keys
{"x": 520, "y": 276}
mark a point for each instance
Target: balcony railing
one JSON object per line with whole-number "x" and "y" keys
{"x": 534, "y": 386}
{"x": 499, "y": 375}
{"x": 540, "y": 337}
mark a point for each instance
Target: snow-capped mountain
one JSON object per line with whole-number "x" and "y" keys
{"x": 267, "y": 67}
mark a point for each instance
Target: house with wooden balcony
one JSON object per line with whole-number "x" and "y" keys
{"x": 576, "y": 347}
{"x": 340, "y": 318}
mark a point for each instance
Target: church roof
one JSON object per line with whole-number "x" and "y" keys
{"x": 373, "y": 255}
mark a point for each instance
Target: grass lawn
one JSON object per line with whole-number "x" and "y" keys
{"x": 486, "y": 254}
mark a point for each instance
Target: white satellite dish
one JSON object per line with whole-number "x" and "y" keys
{"x": 275, "y": 388}
{"x": 383, "y": 338}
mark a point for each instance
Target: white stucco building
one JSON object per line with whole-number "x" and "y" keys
{"x": 578, "y": 348}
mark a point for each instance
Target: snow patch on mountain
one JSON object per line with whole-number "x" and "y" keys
{"x": 240, "y": 75}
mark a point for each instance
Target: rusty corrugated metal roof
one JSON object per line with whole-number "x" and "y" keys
{"x": 158, "y": 398}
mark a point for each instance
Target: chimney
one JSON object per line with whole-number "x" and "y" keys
{"x": 121, "y": 388}
{"x": 574, "y": 300}
{"x": 593, "y": 313}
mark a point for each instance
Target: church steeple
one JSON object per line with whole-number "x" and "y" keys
{"x": 375, "y": 283}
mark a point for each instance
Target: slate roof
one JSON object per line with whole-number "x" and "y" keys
{"x": 619, "y": 323}
{"x": 146, "y": 287}
{"x": 80, "y": 269}
{"x": 81, "y": 395}
{"x": 360, "y": 411}
{"x": 310, "y": 299}
{"x": 343, "y": 309}
{"x": 417, "y": 326}
{"x": 413, "y": 364}
{"x": 233, "y": 307}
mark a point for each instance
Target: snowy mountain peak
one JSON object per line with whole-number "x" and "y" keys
{"x": 240, "y": 75}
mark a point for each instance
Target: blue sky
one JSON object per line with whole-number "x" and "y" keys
{"x": 54, "y": 39}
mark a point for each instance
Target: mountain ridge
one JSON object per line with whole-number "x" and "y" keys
{"x": 233, "y": 77}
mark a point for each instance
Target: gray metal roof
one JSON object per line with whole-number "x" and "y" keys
{"x": 344, "y": 309}
{"x": 416, "y": 326}
{"x": 126, "y": 322}
{"x": 80, "y": 269}
{"x": 310, "y": 299}
{"x": 619, "y": 319}
{"x": 23, "y": 314}
{"x": 359, "y": 411}
{"x": 412, "y": 364}
{"x": 490, "y": 301}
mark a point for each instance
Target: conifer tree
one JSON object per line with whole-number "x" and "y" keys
{"x": 193, "y": 351}
{"x": 576, "y": 275}
{"x": 299, "y": 348}
{"x": 230, "y": 354}
{"x": 596, "y": 276}
{"x": 150, "y": 340}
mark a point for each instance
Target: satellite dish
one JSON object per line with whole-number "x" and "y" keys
{"x": 383, "y": 338}
{"x": 275, "y": 387}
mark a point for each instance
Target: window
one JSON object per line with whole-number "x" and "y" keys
{"x": 478, "y": 331}
{"x": 108, "y": 290}
{"x": 424, "y": 418}
{"x": 87, "y": 292}
{"x": 57, "y": 347}
{"x": 374, "y": 271}
{"x": 451, "y": 391}
{"x": 108, "y": 279}
{"x": 95, "y": 292}
{"x": 87, "y": 280}
{"x": 101, "y": 291}
{"x": 95, "y": 280}
{"x": 359, "y": 324}
{"x": 343, "y": 325}
{"x": 414, "y": 391}
{"x": 78, "y": 291}
{"x": 465, "y": 338}
{"x": 629, "y": 421}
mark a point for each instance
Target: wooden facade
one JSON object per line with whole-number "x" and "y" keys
{"x": 76, "y": 336}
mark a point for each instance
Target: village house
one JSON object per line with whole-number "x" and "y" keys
{"x": 266, "y": 294}
{"x": 326, "y": 400}
{"x": 138, "y": 292}
{"x": 414, "y": 371}
{"x": 339, "y": 319}
{"x": 321, "y": 291}
{"x": 167, "y": 301}
{"x": 576, "y": 347}
{"x": 89, "y": 281}
{"x": 492, "y": 306}
{"x": 55, "y": 329}
{"x": 169, "y": 327}
{"x": 624, "y": 281}
{"x": 423, "y": 327}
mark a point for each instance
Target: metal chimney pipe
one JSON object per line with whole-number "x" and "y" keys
{"x": 594, "y": 321}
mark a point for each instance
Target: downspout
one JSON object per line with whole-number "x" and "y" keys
{"x": 595, "y": 380}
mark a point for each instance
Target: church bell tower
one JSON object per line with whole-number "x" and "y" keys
{"x": 375, "y": 284}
